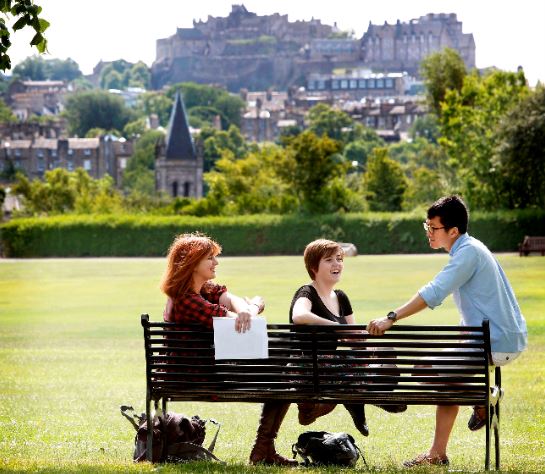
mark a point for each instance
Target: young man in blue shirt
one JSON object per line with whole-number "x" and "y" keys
{"x": 480, "y": 290}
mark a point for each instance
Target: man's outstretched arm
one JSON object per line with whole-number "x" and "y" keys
{"x": 377, "y": 327}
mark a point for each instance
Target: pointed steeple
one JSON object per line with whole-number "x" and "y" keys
{"x": 179, "y": 142}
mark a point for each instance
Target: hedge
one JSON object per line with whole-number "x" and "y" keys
{"x": 146, "y": 235}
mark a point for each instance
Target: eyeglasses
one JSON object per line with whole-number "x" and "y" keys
{"x": 430, "y": 229}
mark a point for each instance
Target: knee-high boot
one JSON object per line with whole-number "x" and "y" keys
{"x": 264, "y": 451}
{"x": 357, "y": 412}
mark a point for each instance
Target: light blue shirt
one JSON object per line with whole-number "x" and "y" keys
{"x": 481, "y": 291}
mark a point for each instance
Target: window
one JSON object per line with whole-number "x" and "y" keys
{"x": 362, "y": 84}
{"x": 87, "y": 165}
{"x": 41, "y": 164}
{"x": 40, "y": 153}
{"x": 321, "y": 84}
{"x": 70, "y": 151}
{"x": 53, "y": 153}
{"x": 371, "y": 83}
{"x": 175, "y": 189}
{"x": 123, "y": 163}
{"x": 335, "y": 84}
{"x": 17, "y": 152}
{"x": 187, "y": 189}
{"x": 344, "y": 84}
{"x": 380, "y": 83}
{"x": 389, "y": 83}
{"x": 353, "y": 84}
{"x": 70, "y": 165}
{"x": 311, "y": 85}
{"x": 87, "y": 152}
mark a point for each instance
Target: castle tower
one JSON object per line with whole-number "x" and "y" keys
{"x": 178, "y": 165}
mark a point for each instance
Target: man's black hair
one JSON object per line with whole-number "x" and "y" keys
{"x": 452, "y": 212}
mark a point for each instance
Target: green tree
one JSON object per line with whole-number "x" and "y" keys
{"x": 520, "y": 153}
{"x": 442, "y": 71}
{"x": 27, "y": 14}
{"x": 308, "y": 165}
{"x": 359, "y": 148}
{"x": 140, "y": 75}
{"x": 425, "y": 127}
{"x": 425, "y": 186}
{"x": 32, "y": 68}
{"x": 112, "y": 80}
{"x": 139, "y": 175}
{"x": 63, "y": 70}
{"x": 324, "y": 120}
{"x": 6, "y": 115}
{"x": 63, "y": 191}
{"x": 215, "y": 142}
{"x": 155, "y": 103}
{"x": 199, "y": 95}
{"x": 469, "y": 120}
{"x": 248, "y": 185}
{"x": 95, "y": 109}
{"x": 385, "y": 182}
{"x": 36, "y": 68}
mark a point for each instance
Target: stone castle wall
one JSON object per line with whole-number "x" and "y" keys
{"x": 244, "y": 50}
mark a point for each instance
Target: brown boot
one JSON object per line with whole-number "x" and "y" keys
{"x": 264, "y": 451}
{"x": 309, "y": 412}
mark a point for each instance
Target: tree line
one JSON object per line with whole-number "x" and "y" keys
{"x": 483, "y": 138}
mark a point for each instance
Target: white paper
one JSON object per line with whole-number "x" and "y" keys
{"x": 229, "y": 344}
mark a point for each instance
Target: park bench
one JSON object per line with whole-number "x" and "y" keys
{"x": 180, "y": 366}
{"x": 532, "y": 244}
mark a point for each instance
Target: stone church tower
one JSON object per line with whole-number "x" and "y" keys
{"x": 178, "y": 165}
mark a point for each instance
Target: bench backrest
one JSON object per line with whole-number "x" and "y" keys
{"x": 416, "y": 364}
{"x": 533, "y": 242}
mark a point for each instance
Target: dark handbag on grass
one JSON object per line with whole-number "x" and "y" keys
{"x": 327, "y": 449}
{"x": 176, "y": 438}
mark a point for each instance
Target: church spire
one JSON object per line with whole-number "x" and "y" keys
{"x": 179, "y": 142}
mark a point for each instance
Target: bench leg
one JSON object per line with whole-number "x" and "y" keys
{"x": 496, "y": 424}
{"x": 488, "y": 439}
{"x": 149, "y": 423}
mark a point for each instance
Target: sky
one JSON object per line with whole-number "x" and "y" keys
{"x": 507, "y": 33}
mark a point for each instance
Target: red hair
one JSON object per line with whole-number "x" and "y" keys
{"x": 318, "y": 249}
{"x": 184, "y": 255}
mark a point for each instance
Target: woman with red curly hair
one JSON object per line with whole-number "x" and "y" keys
{"x": 194, "y": 298}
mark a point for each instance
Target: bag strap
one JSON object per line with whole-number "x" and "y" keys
{"x": 124, "y": 409}
{"x": 296, "y": 451}
{"x": 361, "y": 454}
{"x": 213, "y": 442}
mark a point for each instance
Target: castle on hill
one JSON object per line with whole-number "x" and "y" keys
{"x": 257, "y": 52}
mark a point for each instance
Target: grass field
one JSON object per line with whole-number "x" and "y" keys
{"x": 71, "y": 352}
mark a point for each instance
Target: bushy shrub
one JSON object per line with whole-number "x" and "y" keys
{"x": 144, "y": 235}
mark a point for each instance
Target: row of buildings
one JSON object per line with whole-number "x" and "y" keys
{"x": 281, "y": 69}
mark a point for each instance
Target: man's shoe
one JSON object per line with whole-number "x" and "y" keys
{"x": 426, "y": 460}
{"x": 478, "y": 418}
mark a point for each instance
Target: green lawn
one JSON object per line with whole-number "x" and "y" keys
{"x": 71, "y": 352}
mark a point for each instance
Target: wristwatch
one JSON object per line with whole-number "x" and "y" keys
{"x": 392, "y": 316}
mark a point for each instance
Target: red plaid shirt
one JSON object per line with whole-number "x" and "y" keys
{"x": 197, "y": 308}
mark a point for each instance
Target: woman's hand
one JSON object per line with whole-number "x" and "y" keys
{"x": 258, "y": 302}
{"x": 243, "y": 322}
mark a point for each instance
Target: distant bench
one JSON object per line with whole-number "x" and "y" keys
{"x": 532, "y": 244}
{"x": 180, "y": 366}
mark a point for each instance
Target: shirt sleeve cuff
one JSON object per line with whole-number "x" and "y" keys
{"x": 427, "y": 293}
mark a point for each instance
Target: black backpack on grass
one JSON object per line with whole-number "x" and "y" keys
{"x": 327, "y": 449}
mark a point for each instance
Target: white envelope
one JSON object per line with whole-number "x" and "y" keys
{"x": 229, "y": 344}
